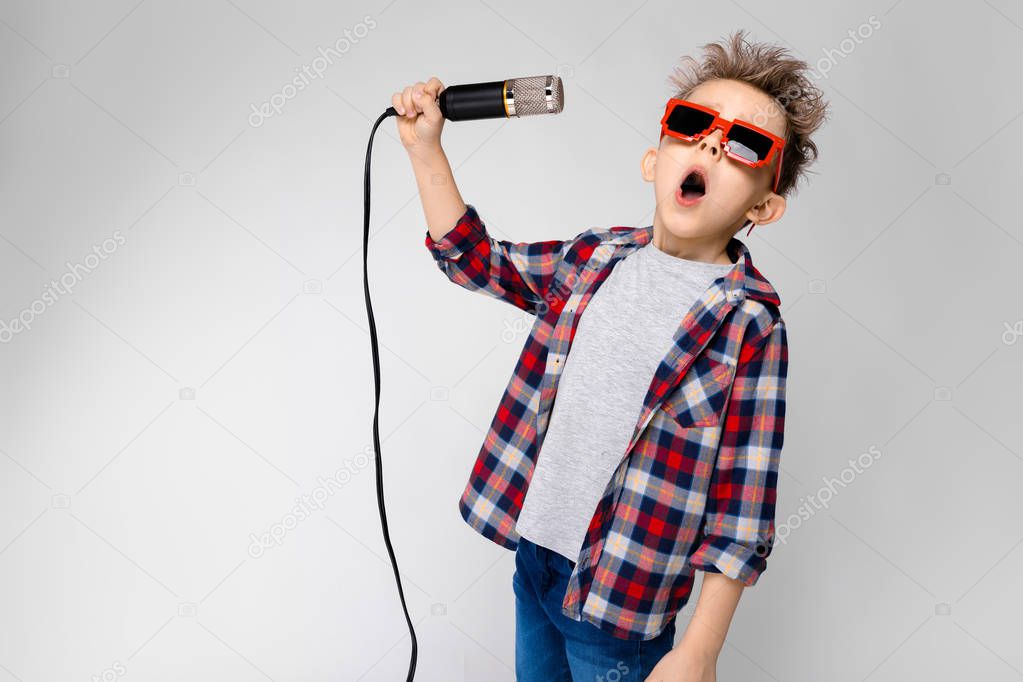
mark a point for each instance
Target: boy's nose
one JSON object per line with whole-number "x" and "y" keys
{"x": 712, "y": 143}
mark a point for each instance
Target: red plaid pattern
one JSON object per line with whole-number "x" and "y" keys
{"x": 696, "y": 487}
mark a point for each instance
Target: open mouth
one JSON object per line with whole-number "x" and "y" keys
{"x": 694, "y": 185}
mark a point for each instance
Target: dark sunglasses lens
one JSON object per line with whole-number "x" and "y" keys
{"x": 688, "y": 121}
{"x": 749, "y": 144}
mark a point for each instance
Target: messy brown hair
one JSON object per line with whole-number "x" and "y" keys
{"x": 773, "y": 70}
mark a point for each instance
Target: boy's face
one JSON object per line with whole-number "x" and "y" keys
{"x": 734, "y": 192}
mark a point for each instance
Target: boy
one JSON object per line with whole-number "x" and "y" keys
{"x": 640, "y": 434}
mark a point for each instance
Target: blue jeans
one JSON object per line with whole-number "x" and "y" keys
{"x": 551, "y": 647}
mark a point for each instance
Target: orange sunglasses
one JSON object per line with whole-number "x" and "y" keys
{"x": 742, "y": 141}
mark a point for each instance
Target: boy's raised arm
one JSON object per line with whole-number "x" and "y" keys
{"x": 518, "y": 273}
{"x": 420, "y": 123}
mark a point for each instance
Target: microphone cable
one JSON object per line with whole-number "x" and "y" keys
{"x": 390, "y": 111}
{"x": 512, "y": 97}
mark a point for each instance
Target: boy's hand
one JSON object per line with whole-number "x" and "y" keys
{"x": 419, "y": 119}
{"x": 684, "y": 664}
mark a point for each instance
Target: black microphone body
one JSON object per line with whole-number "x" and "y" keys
{"x": 473, "y": 101}
{"x": 495, "y": 99}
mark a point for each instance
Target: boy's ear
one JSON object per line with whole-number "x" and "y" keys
{"x": 767, "y": 211}
{"x": 648, "y": 164}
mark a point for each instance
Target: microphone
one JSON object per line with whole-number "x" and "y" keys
{"x": 513, "y": 97}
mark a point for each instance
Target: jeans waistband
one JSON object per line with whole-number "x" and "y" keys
{"x": 546, "y": 556}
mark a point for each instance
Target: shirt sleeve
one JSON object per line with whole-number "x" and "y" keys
{"x": 739, "y": 529}
{"x": 519, "y": 273}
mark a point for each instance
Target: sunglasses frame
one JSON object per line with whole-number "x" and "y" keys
{"x": 777, "y": 143}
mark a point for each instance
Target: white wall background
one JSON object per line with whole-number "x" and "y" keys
{"x": 214, "y": 364}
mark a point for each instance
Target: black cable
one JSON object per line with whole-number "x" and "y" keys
{"x": 390, "y": 111}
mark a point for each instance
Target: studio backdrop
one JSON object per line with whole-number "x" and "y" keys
{"x": 187, "y": 477}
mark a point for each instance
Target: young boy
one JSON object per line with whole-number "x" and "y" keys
{"x": 640, "y": 434}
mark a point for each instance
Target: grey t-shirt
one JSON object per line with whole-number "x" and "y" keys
{"x": 624, "y": 332}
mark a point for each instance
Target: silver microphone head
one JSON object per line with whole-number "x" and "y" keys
{"x": 534, "y": 95}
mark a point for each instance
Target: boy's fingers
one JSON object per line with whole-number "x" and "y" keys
{"x": 434, "y": 87}
{"x": 419, "y": 95}
{"x": 431, "y": 91}
{"x": 431, "y": 109}
{"x": 406, "y": 100}
{"x": 418, "y": 98}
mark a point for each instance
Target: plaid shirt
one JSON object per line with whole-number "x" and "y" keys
{"x": 696, "y": 486}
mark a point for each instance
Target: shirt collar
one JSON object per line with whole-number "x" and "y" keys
{"x": 742, "y": 280}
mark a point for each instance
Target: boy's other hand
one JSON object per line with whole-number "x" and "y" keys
{"x": 684, "y": 664}
{"x": 419, "y": 119}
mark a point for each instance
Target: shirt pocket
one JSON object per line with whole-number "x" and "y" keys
{"x": 699, "y": 400}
